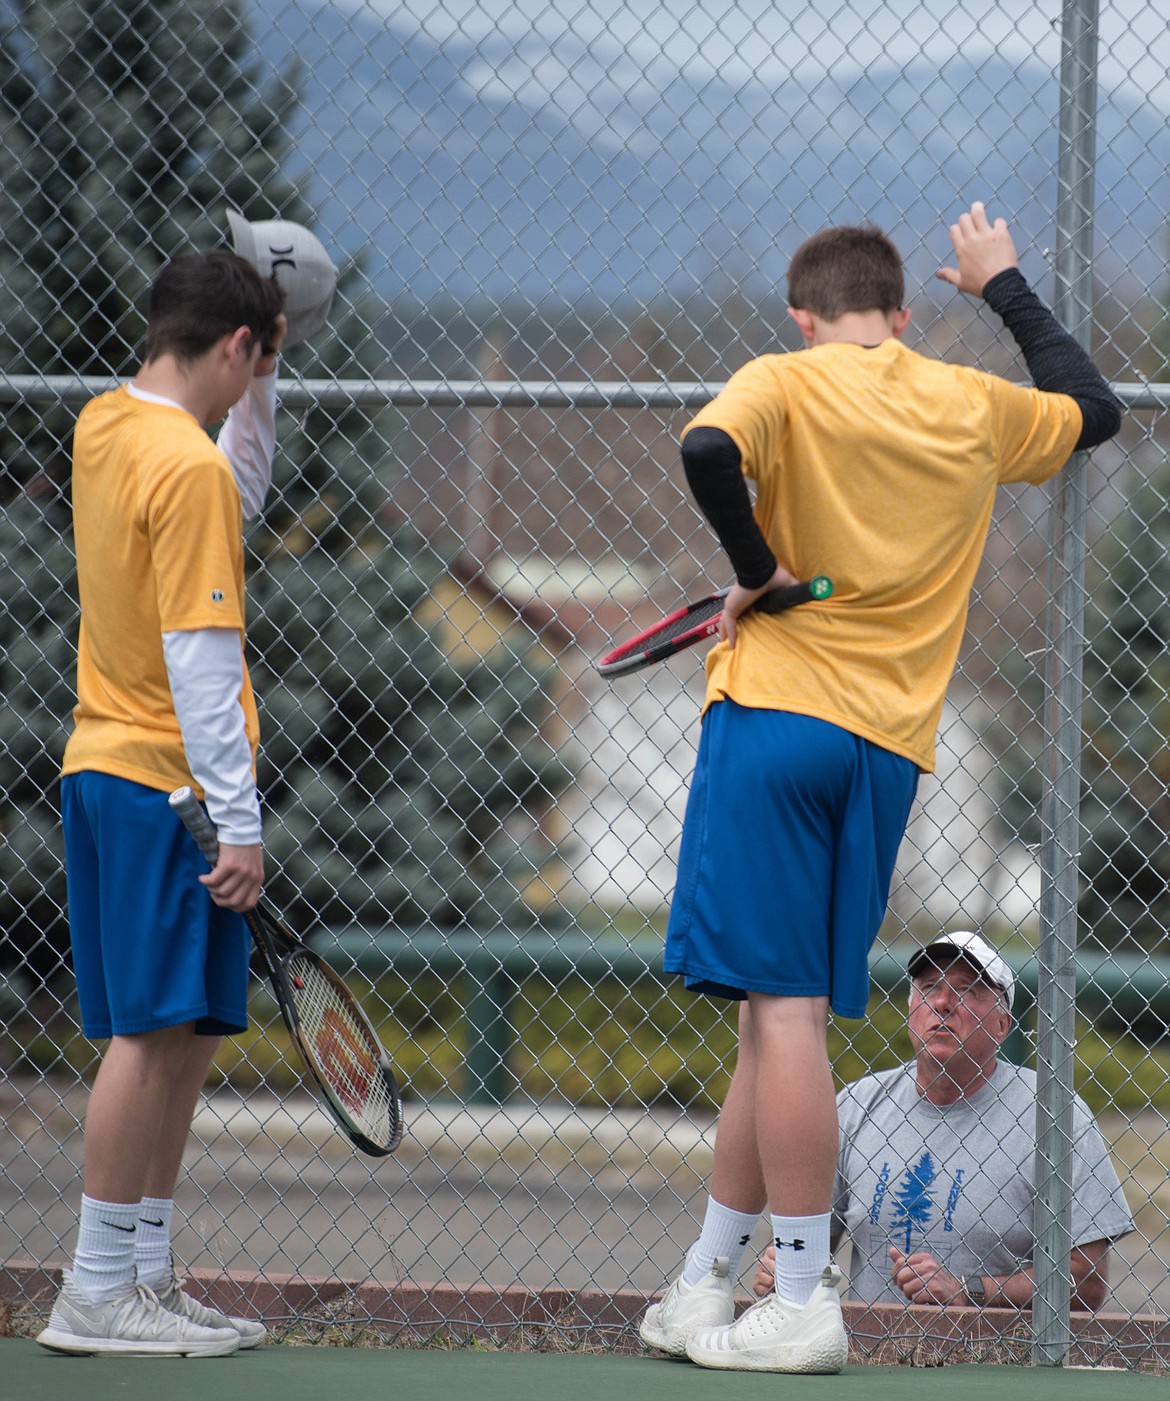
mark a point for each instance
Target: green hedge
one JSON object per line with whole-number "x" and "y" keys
{"x": 588, "y": 1045}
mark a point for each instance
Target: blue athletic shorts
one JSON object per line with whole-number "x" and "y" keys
{"x": 150, "y": 947}
{"x": 791, "y": 832}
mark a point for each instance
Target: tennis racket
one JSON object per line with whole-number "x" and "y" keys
{"x": 695, "y": 621}
{"x": 339, "y": 1047}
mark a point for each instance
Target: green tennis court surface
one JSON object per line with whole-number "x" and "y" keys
{"x": 28, "y": 1373}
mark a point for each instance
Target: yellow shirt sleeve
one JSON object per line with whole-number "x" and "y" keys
{"x": 194, "y": 524}
{"x": 1036, "y": 430}
{"x": 752, "y": 409}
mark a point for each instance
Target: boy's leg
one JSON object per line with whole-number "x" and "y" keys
{"x": 167, "y": 1158}
{"x": 798, "y": 1327}
{"x": 737, "y": 1177}
{"x": 776, "y": 1140}
{"x": 130, "y": 1109}
{"x": 796, "y": 1128}
{"x": 795, "y": 1102}
{"x": 701, "y": 1297}
{"x": 782, "y": 1078}
{"x": 99, "y": 1308}
{"x": 737, "y": 1193}
{"x": 153, "y": 1262}
{"x": 152, "y": 1255}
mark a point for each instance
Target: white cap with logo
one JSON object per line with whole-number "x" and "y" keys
{"x": 976, "y": 950}
{"x": 297, "y": 259}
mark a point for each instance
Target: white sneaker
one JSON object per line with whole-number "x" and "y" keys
{"x": 134, "y": 1324}
{"x": 685, "y": 1308}
{"x": 250, "y": 1330}
{"x": 773, "y": 1336}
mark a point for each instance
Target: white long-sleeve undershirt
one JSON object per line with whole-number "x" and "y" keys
{"x": 248, "y": 440}
{"x": 206, "y": 671}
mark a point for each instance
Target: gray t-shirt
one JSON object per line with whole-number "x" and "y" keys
{"x": 957, "y": 1180}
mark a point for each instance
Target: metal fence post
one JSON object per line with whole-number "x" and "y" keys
{"x": 1056, "y": 994}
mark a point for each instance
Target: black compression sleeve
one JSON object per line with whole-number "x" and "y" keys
{"x": 711, "y": 461}
{"x": 1055, "y": 361}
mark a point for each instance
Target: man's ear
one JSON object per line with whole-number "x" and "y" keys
{"x": 805, "y": 321}
{"x": 899, "y": 321}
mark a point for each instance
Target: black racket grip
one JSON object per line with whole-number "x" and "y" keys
{"x": 197, "y": 822}
{"x": 820, "y": 586}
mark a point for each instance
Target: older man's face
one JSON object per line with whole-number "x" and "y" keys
{"x": 955, "y": 1016}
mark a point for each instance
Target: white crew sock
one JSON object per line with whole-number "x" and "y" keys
{"x": 802, "y": 1252}
{"x": 152, "y": 1248}
{"x": 725, "y": 1232}
{"x": 103, "y": 1263}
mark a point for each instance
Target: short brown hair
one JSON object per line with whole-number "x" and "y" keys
{"x": 201, "y": 297}
{"x": 846, "y": 269}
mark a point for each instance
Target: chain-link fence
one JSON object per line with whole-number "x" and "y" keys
{"x": 562, "y": 226}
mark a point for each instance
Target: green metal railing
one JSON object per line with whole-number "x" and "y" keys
{"x": 491, "y": 968}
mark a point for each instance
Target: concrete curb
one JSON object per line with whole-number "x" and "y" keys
{"x": 517, "y": 1133}
{"x": 417, "y": 1315}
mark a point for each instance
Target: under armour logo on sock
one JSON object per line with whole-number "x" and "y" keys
{"x": 743, "y": 1240}
{"x": 789, "y": 1244}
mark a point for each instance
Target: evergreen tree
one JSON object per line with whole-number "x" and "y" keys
{"x": 126, "y": 128}
{"x": 37, "y": 662}
{"x": 394, "y": 781}
{"x": 404, "y": 789}
{"x": 1124, "y": 900}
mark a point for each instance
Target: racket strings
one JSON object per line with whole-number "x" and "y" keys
{"x": 666, "y": 633}
{"x": 343, "y": 1049}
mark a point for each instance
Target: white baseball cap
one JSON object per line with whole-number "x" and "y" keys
{"x": 297, "y": 259}
{"x": 976, "y": 950}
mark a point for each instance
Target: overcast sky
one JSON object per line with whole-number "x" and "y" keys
{"x": 628, "y": 42}
{"x": 786, "y": 139}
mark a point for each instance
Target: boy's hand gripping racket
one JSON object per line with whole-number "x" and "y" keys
{"x": 339, "y": 1047}
{"x": 695, "y": 621}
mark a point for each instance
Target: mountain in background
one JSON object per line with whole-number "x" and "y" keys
{"x": 459, "y": 192}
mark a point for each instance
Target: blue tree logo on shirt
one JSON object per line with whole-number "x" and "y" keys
{"x": 913, "y": 1200}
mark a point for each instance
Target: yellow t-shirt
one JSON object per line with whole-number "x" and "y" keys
{"x": 877, "y": 467}
{"x": 158, "y": 530}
